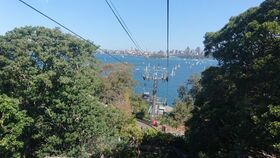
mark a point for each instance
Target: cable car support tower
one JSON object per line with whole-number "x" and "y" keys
{"x": 155, "y": 74}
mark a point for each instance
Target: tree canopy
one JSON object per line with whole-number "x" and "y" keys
{"x": 237, "y": 108}
{"x": 56, "y": 80}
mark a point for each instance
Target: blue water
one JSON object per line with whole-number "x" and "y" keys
{"x": 185, "y": 68}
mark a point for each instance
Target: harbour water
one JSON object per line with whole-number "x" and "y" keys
{"x": 180, "y": 70}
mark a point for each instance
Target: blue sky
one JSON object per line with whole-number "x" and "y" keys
{"x": 146, "y": 19}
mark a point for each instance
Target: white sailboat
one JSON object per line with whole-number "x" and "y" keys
{"x": 172, "y": 74}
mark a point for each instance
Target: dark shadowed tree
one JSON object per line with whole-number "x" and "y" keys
{"x": 237, "y": 109}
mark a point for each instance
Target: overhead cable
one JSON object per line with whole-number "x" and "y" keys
{"x": 121, "y": 22}
{"x": 68, "y": 29}
{"x": 167, "y": 44}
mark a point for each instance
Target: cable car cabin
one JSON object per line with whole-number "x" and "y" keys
{"x": 154, "y": 122}
{"x": 146, "y": 95}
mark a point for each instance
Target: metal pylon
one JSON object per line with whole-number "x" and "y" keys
{"x": 155, "y": 74}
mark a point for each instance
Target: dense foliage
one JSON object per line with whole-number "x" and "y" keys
{"x": 116, "y": 86}
{"x": 12, "y": 123}
{"x": 237, "y": 109}
{"x": 183, "y": 105}
{"x": 139, "y": 107}
{"x": 56, "y": 80}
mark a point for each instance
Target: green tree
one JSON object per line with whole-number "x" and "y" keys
{"x": 183, "y": 105}
{"x": 56, "y": 80}
{"x": 232, "y": 116}
{"x": 12, "y": 123}
{"x": 116, "y": 88}
{"x": 271, "y": 121}
{"x": 180, "y": 114}
{"x": 195, "y": 85}
{"x": 139, "y": 107}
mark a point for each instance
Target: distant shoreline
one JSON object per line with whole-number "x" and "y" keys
{"x": 158, "y": 56}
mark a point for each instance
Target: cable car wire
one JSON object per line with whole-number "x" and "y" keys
{"x": 122, "y": 24}
{"x": 68, "y": 29}
{"x": 167, "y": 46}
{"x": 128, "y": 30}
